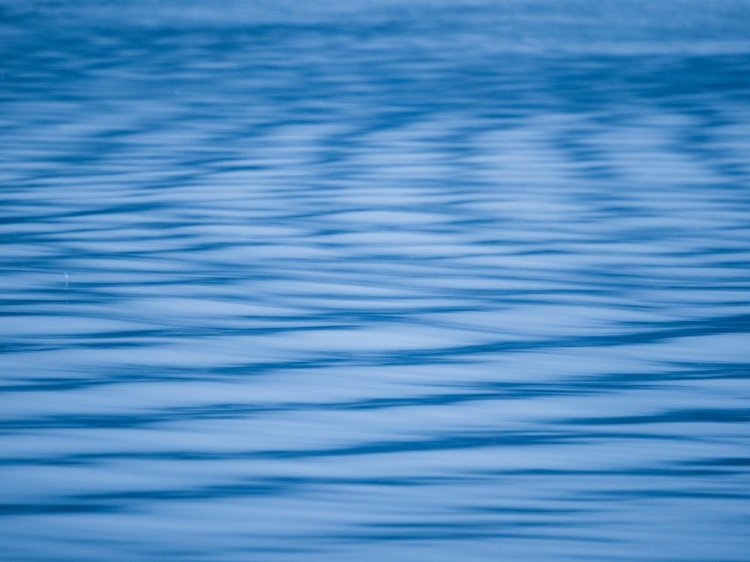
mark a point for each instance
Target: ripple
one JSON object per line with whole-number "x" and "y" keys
{"x": 393, "y": 280}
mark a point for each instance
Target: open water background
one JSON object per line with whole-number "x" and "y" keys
{"x": 376, "y": 280}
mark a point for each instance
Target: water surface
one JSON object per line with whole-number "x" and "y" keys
{"x": 375, "y": 281}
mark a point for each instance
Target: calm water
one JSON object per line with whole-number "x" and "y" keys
{"x": 343, "y": 281}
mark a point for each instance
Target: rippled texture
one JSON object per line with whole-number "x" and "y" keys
{"x": 375, "y": 281}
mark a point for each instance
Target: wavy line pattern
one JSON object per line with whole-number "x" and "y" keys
{"x": 406, "y": 281}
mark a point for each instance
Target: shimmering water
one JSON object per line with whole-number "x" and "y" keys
{"x": 405, "y": 281}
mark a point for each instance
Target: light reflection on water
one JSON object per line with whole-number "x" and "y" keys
{"x": 348, "y": 283}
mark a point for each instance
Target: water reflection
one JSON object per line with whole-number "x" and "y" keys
{"x": 374, "y": 281}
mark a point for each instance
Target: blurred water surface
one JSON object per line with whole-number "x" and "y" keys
{"x": 374, "y": 280}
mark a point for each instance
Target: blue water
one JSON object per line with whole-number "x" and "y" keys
{"x": 368, "y": 281}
